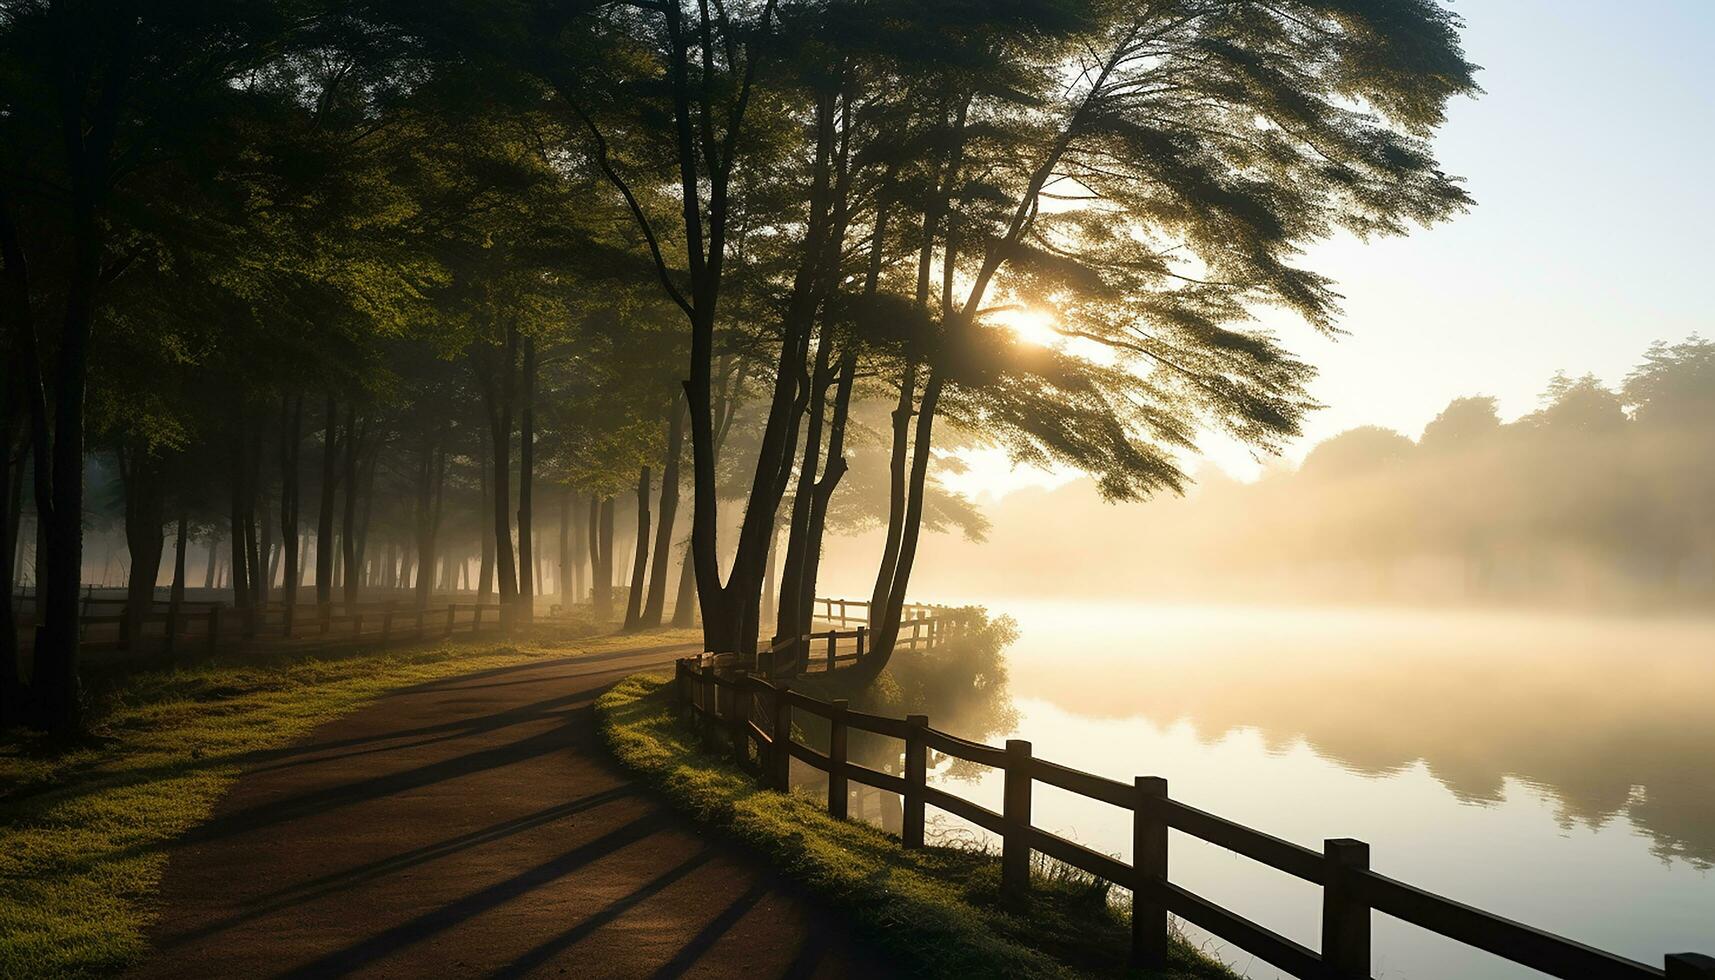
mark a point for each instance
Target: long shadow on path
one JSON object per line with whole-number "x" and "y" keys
{"x": 474, "y": 826}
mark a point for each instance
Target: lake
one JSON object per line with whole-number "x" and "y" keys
{"x": 1552, "y": 769}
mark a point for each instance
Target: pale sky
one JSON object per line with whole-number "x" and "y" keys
{"x": 1592, "y": 159}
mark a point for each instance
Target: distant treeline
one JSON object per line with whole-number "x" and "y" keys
{"x": 1604, "y": 496}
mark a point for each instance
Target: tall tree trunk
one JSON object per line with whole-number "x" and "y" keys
{"x": 325, "y": 548}
{"x": 176, "y": 597}
{"x": 208, "y": 579}
{"x": 580, "y": 552}
{"x": 786, "y": 613}
{"x": 485, "y": 569}
{"x": 896, "y": 494}
{"x": 291, "y": 442}
{"x": 661, "y": 561}
{"x": 432, "y": 477}
{"x": 601, "y": 577}
{"x": 885, "y": 630}
{"x": 640, "y": 559}
{"x": 685, "y": 599}
{"x": 832, "y": 472}
{"x": 12, "y": 694}
{"x": 769, "y": 586}
{"x": 497, "y": 385}
{"x": 144, "y": 516}
{"x": 563, "y": 571}
{"x": 348, "y": 518}
{"x": 238, "y": 547}
{"x": 527, "y": 581}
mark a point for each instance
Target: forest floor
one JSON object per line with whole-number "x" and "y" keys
{"x": 427, "y": 810}
{"x": 935, "y": 911}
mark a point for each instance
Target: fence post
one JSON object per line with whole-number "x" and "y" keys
{"x": 249, "y": 621}
{"x": 711, "y": 701}
{"x": 476, "y": 617}
{"x": 1015, "y": 820}
{"x": 781, "y": 734}
{"x": 916, "y": 777}
{"x": 837, "y": 760}
{"x": 286, "y": 617}
{"x": 1149, "y": 871}
{"x": 833, "y": 640}
{"x": 860, "y": 632}
{"x": 419, "y": 634}
{"x": 1690, "y": 966}
{"x": 387, "y": 622}
{"x": 736, "y": 719}
{"x": 213, "y": 627}
{"x": 357, "y": 626}
{"x": 1345, "y": 918}
{"x": 452, "y": 613}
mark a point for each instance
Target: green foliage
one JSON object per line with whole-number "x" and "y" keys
{"x": 936, "y": 911}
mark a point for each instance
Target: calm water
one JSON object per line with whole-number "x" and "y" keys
{"x": 1559, "y": 771}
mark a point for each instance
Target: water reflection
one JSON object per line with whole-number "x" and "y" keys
{"x": 1608, "y": 717}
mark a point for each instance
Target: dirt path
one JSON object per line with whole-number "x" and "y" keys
{"x": 476, "y": 827}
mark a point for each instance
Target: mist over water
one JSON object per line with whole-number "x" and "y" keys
{"x": 1551, "y": 768}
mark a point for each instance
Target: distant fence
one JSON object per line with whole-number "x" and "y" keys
{"x": 206, "y": 625}
{"x": 921, "y": 627}
{"x": 734, "y": 703}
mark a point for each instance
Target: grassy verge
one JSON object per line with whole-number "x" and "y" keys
{"x": 84, "y": 828}
{"x": 937, "y": 911}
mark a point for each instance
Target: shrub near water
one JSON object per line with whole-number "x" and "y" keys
{"x": 937, "y": 911}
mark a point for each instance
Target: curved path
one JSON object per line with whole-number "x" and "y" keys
{"x": 475, "y": 826}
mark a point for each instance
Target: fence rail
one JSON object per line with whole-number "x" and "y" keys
{"x": 791, "y": 656}
{"x": 756, "y": 714}
{"x": 211, "y": 624}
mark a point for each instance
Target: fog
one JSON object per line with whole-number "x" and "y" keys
{"x": 1602, "y": 499}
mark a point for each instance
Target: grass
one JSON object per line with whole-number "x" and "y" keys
{"x": 84, "y": 827}
{"x": 936, "y": 911}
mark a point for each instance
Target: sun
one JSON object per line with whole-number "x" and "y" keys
{"x": 1030, "y": 325}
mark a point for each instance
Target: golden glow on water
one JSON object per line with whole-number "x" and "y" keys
{"x": 1553, "y": 769}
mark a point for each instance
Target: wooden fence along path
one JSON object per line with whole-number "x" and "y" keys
{"x": 757, "y": 714}
{"x": 920, "y": 627}
{"x": 209, "y": 624}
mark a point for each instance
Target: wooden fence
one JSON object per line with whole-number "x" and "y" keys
{"x": 790, "y": 656}
{"x": 841, "y": 611}
{"x": 1351, "y": 891}
{"x": 209, "y": 624}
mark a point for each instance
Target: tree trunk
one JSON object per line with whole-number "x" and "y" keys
{"x": 431, "y": 486}
{"x": 144, "y": 516}
{"x": 527, "y": 581}
{"x": 885, "y": 631}
{"x": 832, "y": 472}
{"x": 208, "y": 579}
{"x": 176, "y": 597}
{"x": 601, "y": 571}
{"x": 12, "y": 694}
{"x": 325, "y": 548}
{"x": 497, "y": 399}
{"x": 291, "y": 442}
{"x": 237, "y": 545}
{"x": 662, "y": 559}
{"x": 640, "y": 558}
{"x": 786, "y": 614}
{"x": 563, "y": 571}
{"x": 484, "y": 540}
{"x": 348, "y": 518}
{"x": 685, "y": 599}
{"x": 896, "y": 491}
